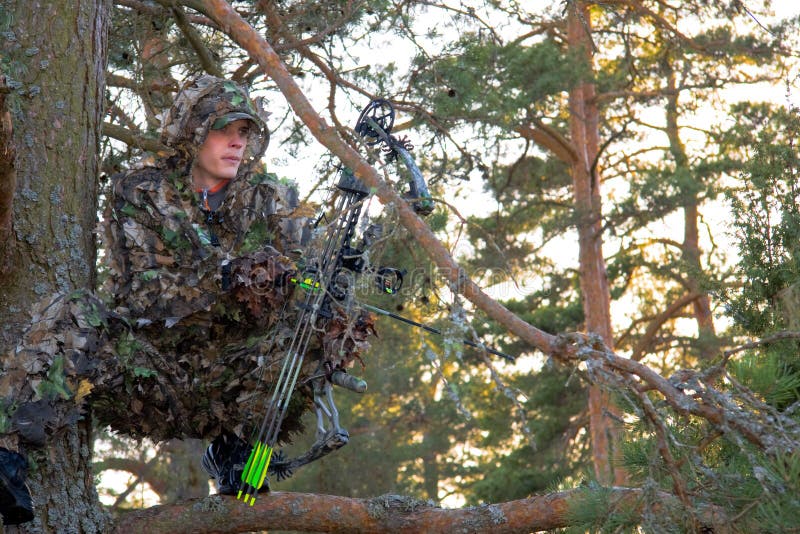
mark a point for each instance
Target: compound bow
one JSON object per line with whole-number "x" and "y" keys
{"x": 327, "y": 277}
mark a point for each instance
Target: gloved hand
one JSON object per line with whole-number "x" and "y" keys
{"x": 259, "y": 280}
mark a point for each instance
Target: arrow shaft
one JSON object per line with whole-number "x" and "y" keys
{"x": 435, "y": 331}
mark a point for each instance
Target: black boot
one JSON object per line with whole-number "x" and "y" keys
{"x": 15, "y": 497}
{"x": 224, "y": 461}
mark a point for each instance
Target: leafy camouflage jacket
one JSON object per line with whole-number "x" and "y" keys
{"x": 192, "y": 275}
{"x": 202, "y": 351}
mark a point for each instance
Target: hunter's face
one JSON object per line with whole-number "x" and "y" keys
{"x": 221, "y": 154}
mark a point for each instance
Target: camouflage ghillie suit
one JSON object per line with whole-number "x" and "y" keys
{"x": 196, "y": 319}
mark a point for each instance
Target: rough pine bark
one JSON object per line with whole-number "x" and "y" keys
{"x": 54, "y": 59}
{"x": 54, "y": 63}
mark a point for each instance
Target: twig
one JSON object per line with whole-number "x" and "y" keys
{"x": 777, "y": 336}
{"x": 133, "y": 139}
{"x": 207, "y": 61}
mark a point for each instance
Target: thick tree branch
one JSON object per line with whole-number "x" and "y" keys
{"x": 387, "y": 513}
{"x": 692, "y": 396}
{"x": 550, "y": 139}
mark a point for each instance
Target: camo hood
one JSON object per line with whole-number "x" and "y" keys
{"x": 208, "y": 102}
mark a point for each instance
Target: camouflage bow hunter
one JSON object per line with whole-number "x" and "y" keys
{"x": 328, "y": 280}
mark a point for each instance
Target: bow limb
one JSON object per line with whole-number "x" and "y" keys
{"x": 263, "y": 53}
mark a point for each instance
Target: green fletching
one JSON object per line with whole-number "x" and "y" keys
{"x": 266, "y": 469}
{"x": 255, "y": 472}
{"x": 266, "y": 454}
{"x": 250, "y": 462}
{"x": 248, "y": 468}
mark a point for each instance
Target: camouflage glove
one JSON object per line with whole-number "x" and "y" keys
{"x": 346, "y": 338}
{"x": 259, "y": 280}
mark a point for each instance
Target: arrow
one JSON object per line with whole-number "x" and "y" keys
{"x": 432, "y": 330}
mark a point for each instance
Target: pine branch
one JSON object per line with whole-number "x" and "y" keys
{"x": 115, "y": 80}
{"x": 777, "y": 336}
{"x": 551, "y": 139}
{"x": 204, "y": 55}
{"x": 655, "y": 325}
{"x": 153, "y": 11}
{"x": 143, "y": 471}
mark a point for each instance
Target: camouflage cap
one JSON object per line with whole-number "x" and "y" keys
{"x": 206, "y": 103}
{"x": 228, "y": 118}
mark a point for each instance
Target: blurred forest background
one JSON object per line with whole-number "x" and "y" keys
{"x": 626, "y": 168}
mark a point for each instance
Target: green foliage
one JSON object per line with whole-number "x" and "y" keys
{"x": 515, "y": 470}
{"x": 56, "y": 383}
{"x": 767, "y": 220}
{"x": 481, "y": 79}
{"x": 779, "y": 509}
{"x": 773, "y": 374}
{"x": 595, "y": 511}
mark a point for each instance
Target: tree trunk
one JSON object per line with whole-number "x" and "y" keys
{"x": 691, "y": 235}
{"x": 62, "y": 484}
{"x": 56, "y": 68}
{"x": 583, "y": 121}
{"x": 54, "y": 59}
